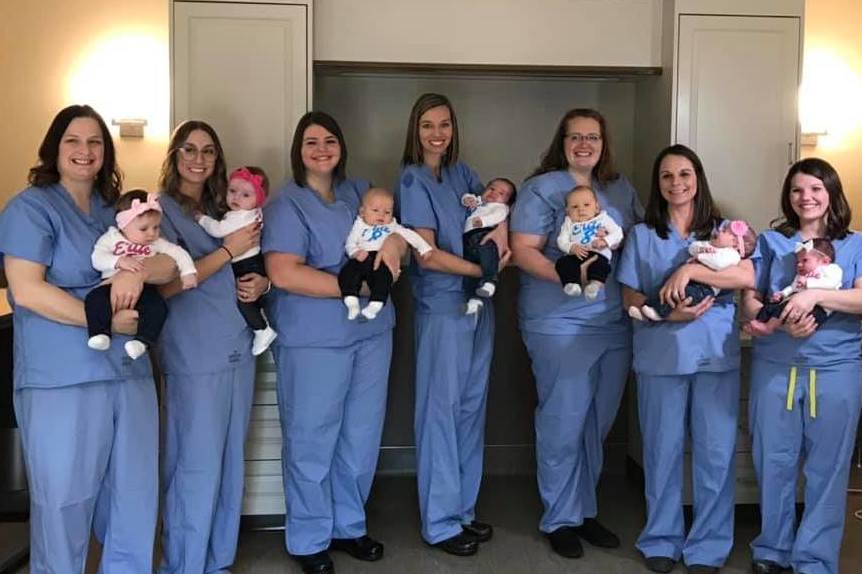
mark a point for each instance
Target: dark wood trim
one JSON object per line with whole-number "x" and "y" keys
{"x": 336, "y": 67}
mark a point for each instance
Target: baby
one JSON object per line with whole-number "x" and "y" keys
{"x": 814, "y": 270}
{"x": 730, "y": 243}
{"x": 486, "y": 212}
{"x": 136, "y": 237}
{"x": 371, "y": 228}
{"x": 247, "y": 189}
{"x": 587, "y": 237}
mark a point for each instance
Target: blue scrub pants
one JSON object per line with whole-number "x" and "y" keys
{"x": 332, "y": 402}
{"x": 87, "y": 442}
{"x": 708, "y": 404}
{"x": 781, "y": 438}
{"x": 580, "y": 381}
{"x": 204, "y": 467}
{"x": 453, "y": 361}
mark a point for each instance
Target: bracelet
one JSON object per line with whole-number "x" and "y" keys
{"x": 227, "y": 251}
{"x": 268, "y": 288}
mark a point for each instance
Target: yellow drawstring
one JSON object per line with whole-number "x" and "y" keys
{"x": 812, "y": 394}
{"x": 812, "y": 391}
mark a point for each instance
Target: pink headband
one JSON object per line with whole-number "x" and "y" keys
{"x": 137, "y": 208}
{"x": 739, "y": 228}
{"x": 256, "y": 182}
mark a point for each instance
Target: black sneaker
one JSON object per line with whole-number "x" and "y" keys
{"x": 661, "y": 564}
{"x": 596, "y": 534}
{"x": 564, "y": 541}
{"x": 462, "y": 544}
{"x": 362, "y": 548}
{"x": 318, "y": 563}
{"x": 480, "y": 531}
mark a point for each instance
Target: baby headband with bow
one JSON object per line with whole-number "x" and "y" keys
{"x": 138, "y": 207}
{"x": 808, "y": 247}
{"x": 256, "y": 182}
{"x": 739, "y": 228}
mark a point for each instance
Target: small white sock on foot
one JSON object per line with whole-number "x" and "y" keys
{"x": 486, "y": 290}
{"x": 263, "y": 338}
{"x": 572, "y": 289}
{"x": 372, "y": 309}
{"x": 352, "y": 304}
{"x": 135, "y": 348}
{"x": 99, "y": 342}
{"x": 651, "y": 313}
{"x": 591, "y": 291}
{"x": 473, "y": 306}
{"x": 635, "y": 313}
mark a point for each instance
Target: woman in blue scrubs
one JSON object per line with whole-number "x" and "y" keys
{"x": 806, "y": 384}
{"x": 205, "y": 353}
{"x": 687, "y": 369}
{"x": 88, "y": 419}
{"x": 332, "y": 373}
{"x": 578, "y": 400}
{"x": 453, "y": 350}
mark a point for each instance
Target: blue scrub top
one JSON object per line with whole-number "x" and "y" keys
{"x": 43, "y": 225}
{"x": 540, "y": 209}
{"x": 204, "y": 332}
{"x": 425, "y": 202}
{"x": 708, "y": 344}
{"x": 838, "y": 339}
{"x": 298, "y": 221}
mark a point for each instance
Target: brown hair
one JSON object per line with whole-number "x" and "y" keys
{"x": 511, "y": 184}
{"x": 824, "y": 246}
{"x": 108, "y": 182}
{"x": 554, "y": 158}
{"x": 413, "y": 153}
{"x": 215, "y": 187}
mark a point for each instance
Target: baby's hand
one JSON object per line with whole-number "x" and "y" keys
{"x": 476, "y": 222}
{"x": 360, "y": 255}
{"x": 127, "y": 263}
{"x": 189, "y": 281}
{"x": 198, "y": 215}
{"x": 776, "y": 298}
{"x": 470, "y": 201}
{"x": 601, "y": 232}
{"x": 579, "y": 251}
{"x": 599, "y": 243}
{"x": 801, "y": 283}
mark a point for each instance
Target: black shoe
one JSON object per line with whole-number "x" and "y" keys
{"x": 564, "y": 541}
{"x": 701, "y": 569}
{"x": 318, "y": 563}
{"x": 596, "y": 534}
{"x": 480, "y": 531}
{"x": 362, "y": 548}
{"x": 661, "y": 564}
{"x": 462, "y": 544}
{"x": 766, "y": 567}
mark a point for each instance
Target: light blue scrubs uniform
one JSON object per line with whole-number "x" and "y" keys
{"x": 88, "y": 419}
{"x": 580, "y": 350}
{"x": 688, "y": 378}
{"x": 453, "y": 357}
{"x": 205, "y": 352}
{"x": 332, "y": 374}
{"x": 804, "y": 405}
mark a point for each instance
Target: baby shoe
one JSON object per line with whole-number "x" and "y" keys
{"x": 99, "y": 342}
{"x": 572, "y": 289}
{"x": 263, "y": 338}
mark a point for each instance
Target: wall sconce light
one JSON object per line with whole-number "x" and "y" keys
{"x": 130, "y": 127}
{"x": 811, "y": 139}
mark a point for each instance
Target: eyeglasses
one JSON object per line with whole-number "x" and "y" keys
{"x": 589, "y": 138}
{"x": 190, "y": 152}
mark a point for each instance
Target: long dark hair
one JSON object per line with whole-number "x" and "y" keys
{"x": 328, "y": 123}
{"x": 554, "y": 158}
{"x": 109, "y": 180}
{"x": 413, "y": 153}
{"x": 706, "y": 214}
{"x": 215, "y": 188}
{"x": 838, "y": 216}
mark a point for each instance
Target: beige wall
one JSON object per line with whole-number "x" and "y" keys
{"x": 833, "y": 55}
{"x": 42, "y": 46}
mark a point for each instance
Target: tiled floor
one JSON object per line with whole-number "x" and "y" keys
{"x": 512, "y": 505}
